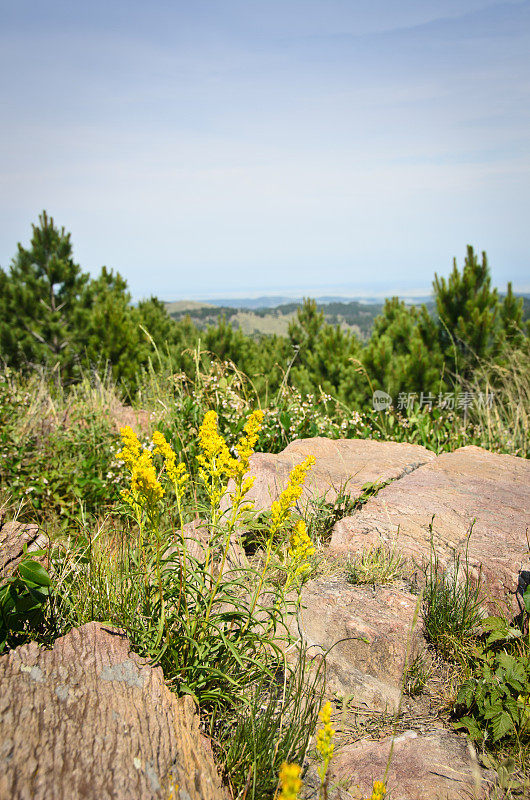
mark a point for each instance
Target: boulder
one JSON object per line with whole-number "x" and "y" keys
{"x": 90, "y": 719}
{"x": 470, "y": 485}
{"x": 349, "y": 463}
{"x": 439, "y": 764}
{"x": 367, "y": 628}
{"x": 13, "y": 537}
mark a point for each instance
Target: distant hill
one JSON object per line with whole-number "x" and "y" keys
{"x": 271, "y": 315}
{"x": 269, "y": 320}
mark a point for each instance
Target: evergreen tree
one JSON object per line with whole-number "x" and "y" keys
{"x": 397, "y": 358}
{"x": 110, "y": 337}
{"x": 41, "y": 308}
{"x": 472, "y": 321}
{"x": 325, "y": 354}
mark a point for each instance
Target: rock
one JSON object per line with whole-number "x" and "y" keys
{"x": 138, "y": 419}
{"x": 13, "y": 537}
{"x": 371, "y": 671}
{"x": 89, "y": 719}
{"x": 437, "y": 765}
{"x": 423, "y": 766}
{"x": 457, "y": 488}
{"x": 339, "y": 462}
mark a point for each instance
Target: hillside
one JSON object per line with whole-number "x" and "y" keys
{"x": 354, "y": 315}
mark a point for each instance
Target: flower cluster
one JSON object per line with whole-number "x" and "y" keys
{"x": 301, "y": 549}
{"x": 325, "y": 744}
{"x": 215, "y": 456}
{"x": 290, "y": 782}
{"x": 131, "y": 447}
{"x": 247, "y": 443}
{"x": 177, "y": 473}
{"x": 146, "y": 489}
{"x": 378, "y": 791}
{"x": 281, "y": 508}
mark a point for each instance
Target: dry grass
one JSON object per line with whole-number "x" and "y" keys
{"x": 504, "y": 426}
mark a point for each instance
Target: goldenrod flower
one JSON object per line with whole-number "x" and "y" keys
{"x": 280, "y": 508}
{"x": 378, "y": 791}
{"x": 301, "y": 549}
{"x": 245, "y": 446}
{"x": 144, "y": 482}
{"x": 131, "y": 449}
{"x": 290, "y": 783}
{"x": 177, "y": 474}
{"x": 325, "y": 744}
{"x": 215, "y": 457}
{"x": 145, "y": 486}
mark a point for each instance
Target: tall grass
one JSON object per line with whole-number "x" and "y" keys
{"x": 505, "y": 424}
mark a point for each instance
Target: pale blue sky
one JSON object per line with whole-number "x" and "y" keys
{"x": 222, "y": 147}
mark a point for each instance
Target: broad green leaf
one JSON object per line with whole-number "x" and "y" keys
{"x": 35, "y": 572}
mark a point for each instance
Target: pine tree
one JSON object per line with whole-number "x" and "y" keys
{"x": 473, "y": 323}
{"x": 397, "y": 358}
{"x": 40, "y": 305}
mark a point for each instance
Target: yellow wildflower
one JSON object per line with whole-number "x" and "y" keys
{"x": 378, "y": 791}
{"x": 301, "y": 549}
{"x": 144, "y": 483}
{"x": 145, "y": 487}
{"x": 177, "y": 474}
{"x": 325, "y": 744}
{"x": 131, "y": 449}
{"x": 290, "y": 782}
{"x": 280, "y": 508}
{"x": 247, "y": 443}
{"x": 215, "y": 453}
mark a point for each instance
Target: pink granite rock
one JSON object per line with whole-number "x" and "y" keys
{"x": 470, "y": 484}
{"x": 339, "y": 462}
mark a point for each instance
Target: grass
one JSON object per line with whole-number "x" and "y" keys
{"x": 452, "y": 606}
{"x": 376, "y": 565}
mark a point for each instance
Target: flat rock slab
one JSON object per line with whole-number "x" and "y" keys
{"x": 424, "y": 766}
{"x": 457, "y": 488}
{"x": 90, "y": 719}
{"x": 13, "y": 537}
{"x": 338, "y": 615}
{"x": 349, "y": 463}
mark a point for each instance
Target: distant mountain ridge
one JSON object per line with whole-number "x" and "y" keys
{"x": 271, "y": 315}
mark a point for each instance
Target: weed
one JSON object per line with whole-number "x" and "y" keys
{"x": 24, "y": 602}
{"x": 452, "y": 605}
{"x": 376, "y": 565}
{"x": 417, "y": 674}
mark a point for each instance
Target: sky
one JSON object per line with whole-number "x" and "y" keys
{"x": 212, "y": 148}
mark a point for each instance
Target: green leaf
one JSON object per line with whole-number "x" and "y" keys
{"x": 33, "y": 571}
{"x": 502, "y": 725}
{"x": 470, "y": 724}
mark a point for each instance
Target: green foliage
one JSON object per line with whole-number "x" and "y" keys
{"x": 24, "y": 602}
{"x": 52, "y": 314}
{"x": 473, "y": 322}
{"x": 324, "y": 355}
{"x": 42, "y": 314}
{"x": 452, "y": 603}
{"x": 54, "y": 458}
{"x": 376, "y": 565}
{"x": 321, "y": 514}
{"x": 493, "y": 704}
{"x": 401, "y": 356}
{"x": 273, "y": 726}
